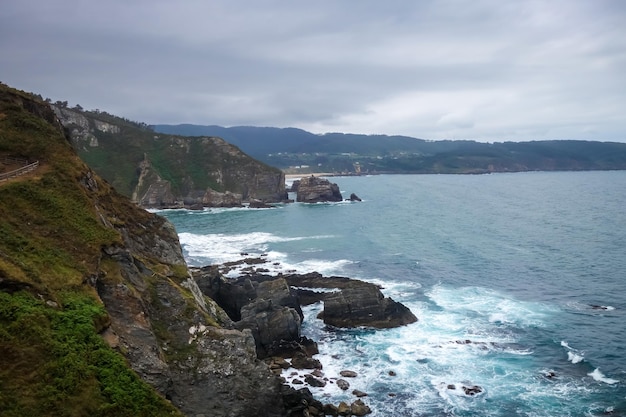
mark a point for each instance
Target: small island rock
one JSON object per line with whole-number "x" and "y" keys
{"x": 315, "y": 189}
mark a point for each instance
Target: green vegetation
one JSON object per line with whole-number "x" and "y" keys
{"x": 187, "y": 163}
{"x": 55, "y": 363}
{"x": 54, "y": 223}
{"x": 338, "y": 152}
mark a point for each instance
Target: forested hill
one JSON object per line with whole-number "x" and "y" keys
{"x": 337, "y": 152}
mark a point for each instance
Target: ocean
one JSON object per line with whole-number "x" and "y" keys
{"x": 518, "y": 282}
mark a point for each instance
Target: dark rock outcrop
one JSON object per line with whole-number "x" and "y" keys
{"x": 356, "y": 303}
{"x": 365, "y": 306}
{"x": 267, "y": 307}
{"x": 315, "y": 189}
{"x": 294, "y": 186}
{"x": 354, "y": 197}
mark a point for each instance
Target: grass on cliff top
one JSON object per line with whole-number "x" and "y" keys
{"x": 53, "y": 362}
{"x": 50, "y": 233}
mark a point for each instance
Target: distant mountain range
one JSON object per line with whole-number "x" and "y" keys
{"x": 298, "y": 151}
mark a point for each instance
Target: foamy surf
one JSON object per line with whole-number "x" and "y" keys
{"x": 573, "y": 355}
{"x": 220, "y": 248}
{"x": 600, "y": 377}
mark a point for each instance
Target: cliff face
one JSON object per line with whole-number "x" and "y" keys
{"x": 158, "y": 170}
{"x": 90, "y": 284}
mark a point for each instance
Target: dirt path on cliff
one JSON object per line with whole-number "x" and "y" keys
{"x": 34, "y": 174}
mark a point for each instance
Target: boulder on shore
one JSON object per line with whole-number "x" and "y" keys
{"x": 315, "y": 190}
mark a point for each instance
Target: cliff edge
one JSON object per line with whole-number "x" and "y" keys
{"x": 167, "y": 171}
{"x": 98, "y": 313}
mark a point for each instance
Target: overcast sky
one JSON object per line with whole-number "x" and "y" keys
{"x": 489, "y": 70}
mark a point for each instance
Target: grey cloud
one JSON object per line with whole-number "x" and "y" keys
{"x": 487, "y": 70}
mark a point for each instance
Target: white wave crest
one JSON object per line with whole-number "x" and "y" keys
{"x": 573, "y": 355}
{"x": 600, "y": 377}
{"x": 574, "y": 358}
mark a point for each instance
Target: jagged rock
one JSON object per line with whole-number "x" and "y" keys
{"x": 294, "y": 186}
{"x": 358, "y": 408}
{"x": 302, "y": 361}
{"x": 269, "y": 324}
{"x": 268, "y": 307}
{"x": 354, "y": 197}
{"x": 214, "y": 198}
{"x": 364, "y": 306}
{"x": 343, "y": 409}
{"x": 297, "y": 402}
{"x": 315, "y": 189}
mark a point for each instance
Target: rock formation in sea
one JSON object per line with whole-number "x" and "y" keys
{"x": 316, "y": 189}
{"x": 355, "y": 303}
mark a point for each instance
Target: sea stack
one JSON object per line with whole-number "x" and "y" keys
{"x": 315, "y": 190}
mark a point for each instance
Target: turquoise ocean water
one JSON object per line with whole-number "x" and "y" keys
{"x": 518, "y": 281}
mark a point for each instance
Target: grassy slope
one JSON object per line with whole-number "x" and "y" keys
{"x": 175, "y": 159}
{"x": 52, "y": 360}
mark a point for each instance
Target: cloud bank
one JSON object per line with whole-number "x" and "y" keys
{"x": 482, "y": 70}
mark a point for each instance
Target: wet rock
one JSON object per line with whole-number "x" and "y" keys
{"x": 301, "y": 361}
{"x": 473, "y": 390}
{"x": 313, "y": 381}
{"x": 348, "y": 374}
{"x": 343, "y": 409}
{"x": 364, "y": 306}
{"x": 359, "y": 393}
{"x": 343, "y": 384}
{"x": 354, "y": 197}
{"x": 358, "y": 408}
{"x": 358, "y": 303}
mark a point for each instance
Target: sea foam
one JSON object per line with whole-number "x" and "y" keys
{"x": 600, "y": 377}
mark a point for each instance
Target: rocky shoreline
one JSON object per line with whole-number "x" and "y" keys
{"x": 270, "y": 307}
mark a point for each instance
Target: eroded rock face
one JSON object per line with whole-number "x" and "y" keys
{"x": 177, "y": 340}
{"x": 203, "y": 172}
{"x": 354, "y": 303}
{"x": 365, "y": 306}
{"x": 267, "y": 307}
{"x": 315, "y": 189}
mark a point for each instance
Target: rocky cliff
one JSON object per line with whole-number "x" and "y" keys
{"x": 159, "y": 170}
{"x": 98, "y": 313}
